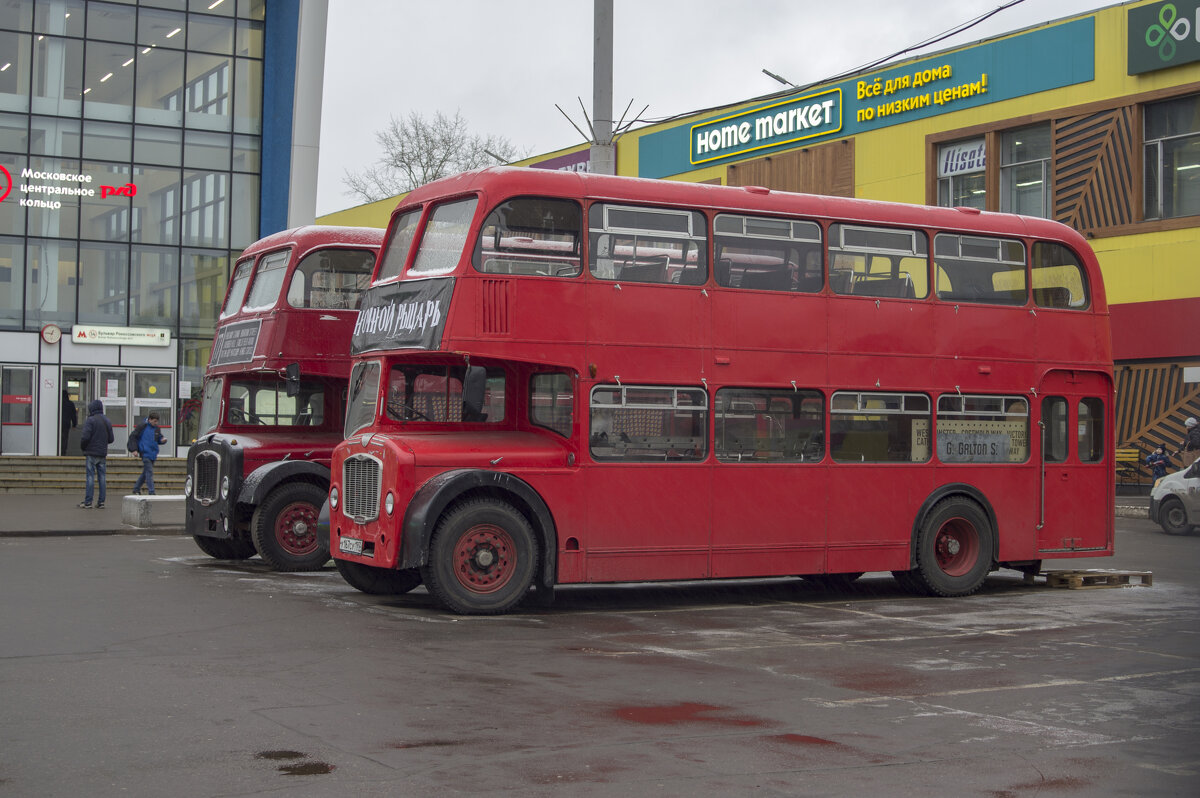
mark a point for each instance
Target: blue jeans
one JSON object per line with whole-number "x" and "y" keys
{"x": 146, "y": 478}
{"x": 94, "y": 467}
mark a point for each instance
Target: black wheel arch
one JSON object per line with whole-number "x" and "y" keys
{"x": 259, "y": 483}
{"x": 947, "y": 491}
{"x": 432, "y": 499}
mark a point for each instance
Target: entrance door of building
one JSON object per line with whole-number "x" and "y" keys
{"x": 16, "y": 410}
{"x": 128, "y": 395}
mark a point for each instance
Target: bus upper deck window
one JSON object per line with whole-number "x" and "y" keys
{"x": 531, "y": 235}
{"x": 399, "y": 244}
{"x": 444, "y": 237}
{"x": 331, "y": 279}
{"x": 268, "y": 280}
{"x": 1058, "y": 278}
{"x": 237, "y": 288}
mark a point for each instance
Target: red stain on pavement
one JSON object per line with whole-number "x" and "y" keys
{"x": 681, "y": 713}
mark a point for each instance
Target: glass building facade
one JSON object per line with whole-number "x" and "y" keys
{"x": 131, "y": 163}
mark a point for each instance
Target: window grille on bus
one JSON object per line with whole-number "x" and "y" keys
{"x": 208, "y": 476}
{"x": 361, "y": 481}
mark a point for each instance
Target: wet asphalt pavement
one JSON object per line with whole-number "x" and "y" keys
{"x": 135, "y": 665}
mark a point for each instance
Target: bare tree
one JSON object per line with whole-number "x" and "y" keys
{"x": 417, "y": 150}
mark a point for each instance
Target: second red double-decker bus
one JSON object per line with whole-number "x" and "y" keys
{"x": 568, "y": 378}
{"x": 274, "y": 395}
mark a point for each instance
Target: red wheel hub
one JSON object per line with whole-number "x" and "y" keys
{"x": 296, "y": 528}
{"x": 957, "y": 547}
{"x": 484, "y": 558}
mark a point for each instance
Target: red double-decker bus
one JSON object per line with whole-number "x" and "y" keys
{"x": 568, "y": 378}
{"x": 274, "y": 395}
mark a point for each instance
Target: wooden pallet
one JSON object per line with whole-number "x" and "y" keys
{"x": 1096, "y": 578}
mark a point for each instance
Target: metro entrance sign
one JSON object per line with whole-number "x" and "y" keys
{"x": 121, "y": 336}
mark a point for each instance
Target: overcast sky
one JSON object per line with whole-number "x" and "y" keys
{"x": 506, "y": 63}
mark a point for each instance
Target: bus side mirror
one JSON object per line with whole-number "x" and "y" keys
{"x": 291, "y": 377}
{"x": 474, "y": 387}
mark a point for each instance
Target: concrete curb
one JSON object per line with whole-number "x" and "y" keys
{"x": 1132, "y": 511}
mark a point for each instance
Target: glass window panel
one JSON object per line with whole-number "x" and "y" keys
{"x": 768, "y": 254}
{"x": 174, "y": 5}
{"x": 363, "y": 396}
{"x": 399, "y": 244}
{"x": 156, "y": 145}
{"x": 245, "y": 202}
{"x": 210, "y": 34}
{"x": 1025, "y": 144}
{"x": 444, "y": 238}
{"x": 249, "y": 39}
{"x": 1054, "y": 435}
{"x": 224, "y": 8}
{"x": 982, "y": 429}
{"x": 237, "y": 290}
{"x": 1181, "y": 177}
{"x": 154, "y": 287}
{"x": 267, "y": 283}
{"x": 12, "y": 282}
{"x": 159, "y": 95}
{"x": 248, "y": 97}
{"x": 106, "y": 218}
{"x": 247, "y": 154}
{"x": 1057, "y": 277}
{"x": 14, "y": 134}
{"x": 879, "y": 428}
{"x": 58, "y": 214}
{"x": 57, "y": 76}
{"x": 107, "y": 141}
{"x": 12, "y": 214}
{"x": 332, "y": 279}
{"x": 50, "y": 276}
{"x": 103, "y": 284}
{"x": 204, "y": 150}
{"x": 1173, "y": 118}
{"x": 977, "y": 269}
{"x": 205, "y": 211}
{"x": 769, "y": 425}
{"x": 876, "y": 262}
{"x": 156, "y": 206}
{"x": 114, "y": 22}
{"x": 531, "y": 236}
{"x": 651, "y": 429}
{"x": 15, "y": 70}
{"x": 59, "y": 18}
{"x": 1091, "y": 430}
{"x": 159, "y": 28}
{"x": 58, "y": 138}
{"x": 17, "y": 14}
{"x": 207, "y": 92}
{"x": 193, "y": 358}
{"x": 108, "y": 81}
{"x": 202, "y": 278}
{"x": 252, "y": 9}
{"x": 552, "y": 402}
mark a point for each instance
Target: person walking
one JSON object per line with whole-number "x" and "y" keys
{"x": 1189, "y": 447}
{"x": 1158, "y": 460}
{"x": 148, "y": 441}
{"x": 94, "y": 439}
{"x": 70, "y": 418}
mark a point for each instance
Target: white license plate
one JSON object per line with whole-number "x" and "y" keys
{"x": 350, "y": 545}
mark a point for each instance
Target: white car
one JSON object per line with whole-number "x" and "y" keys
{"x": 1175, "y": 501}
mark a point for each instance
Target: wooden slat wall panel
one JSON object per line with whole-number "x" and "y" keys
{"x": 826, "y": 169}
{"x": 1094, "y": 169}
{"x": 1152, "y": 404}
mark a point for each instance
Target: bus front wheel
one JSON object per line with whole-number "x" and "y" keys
{"x": 954, "y": 548}
{"x": 378, "y": 581}
{"x": 482, "y": 558}
{"x": 284, "y": 528}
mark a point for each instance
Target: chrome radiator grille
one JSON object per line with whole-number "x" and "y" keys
{"x": 361, "y": 482}
{"x": 207, "y": 477}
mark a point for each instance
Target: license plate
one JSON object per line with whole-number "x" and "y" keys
{"x": 350, "y": 545}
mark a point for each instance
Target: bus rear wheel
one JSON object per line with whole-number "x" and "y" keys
{"x": 378, "y": 581}
{"x": 954, "y": 548}
{"x": 482, "y": 558}
{"x": 231, "y": 549}
{"x": 284, "y": 528}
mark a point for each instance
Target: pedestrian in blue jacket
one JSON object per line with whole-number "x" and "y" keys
{"x": 94, "y": 438}
{"x": 148, "y": 442}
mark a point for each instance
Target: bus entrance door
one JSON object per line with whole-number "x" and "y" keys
{"x": 1076, "y": 495}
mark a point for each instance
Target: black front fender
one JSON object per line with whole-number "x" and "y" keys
{"x": 264, "y": 479}
{"x": 432, "y": 499}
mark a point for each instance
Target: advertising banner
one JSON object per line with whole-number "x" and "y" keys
{"x": 410, "y": 314}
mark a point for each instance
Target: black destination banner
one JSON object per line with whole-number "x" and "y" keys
{"x": 235, "y": 343}
{"x": 410, "y": 314}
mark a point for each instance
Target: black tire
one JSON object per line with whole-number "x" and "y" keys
{"x": 954, "y": 548}
{"x": 482, "y": 558}
{"x": 1173, "y": 518}
{"x": 284, "y": 528}
{"x": 834, "y": 581}
{"x": 378, "y": 581}
{"x": 231, "y": 549}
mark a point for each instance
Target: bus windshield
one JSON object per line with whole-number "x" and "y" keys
{"x": 423, "y": 392}
{"x": 264, "y": 402}
{"x": 210, "y": 407}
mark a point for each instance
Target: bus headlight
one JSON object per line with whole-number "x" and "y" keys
{"x": 389, "y": 503}
{"x": 187, "y": 487}
{"x": 224, "y": 488}
{"x": 333, "y": 498}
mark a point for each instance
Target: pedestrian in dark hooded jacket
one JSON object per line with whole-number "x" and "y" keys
{"x": 70, "y": 418}
{"x": 94, "y": 439}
